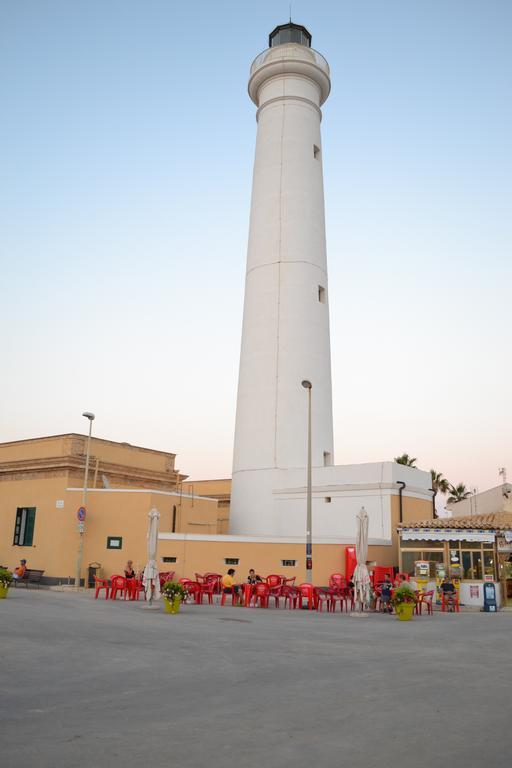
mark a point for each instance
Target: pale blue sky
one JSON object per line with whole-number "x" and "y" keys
{"x": 127, "y": 142}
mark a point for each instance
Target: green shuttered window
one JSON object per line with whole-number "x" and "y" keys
{"x": 24, "y": 526}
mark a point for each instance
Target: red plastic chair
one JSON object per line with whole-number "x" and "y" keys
{"x": 289, "y": 582}
{"x": 194, "y": 591}
{"x": 337, "y": 581}
{"x": 322, "y": 597}
{"x": 402, "y": 577}
{"x": 208, "y": 589}
{"x": 118, "y": 584}
{"x": 101, "y": 584}
{"x": 234, "y": 596}
{"x": 306, "y": 592}
{"x": 165, "y": 576}
{"x": 425, "y": 599}
{"x": 445, "y": 603}
{"x": 291, "y": 596}
{"x": 136, "y": 588}
{"x": 262, "y": 593}
{"x": 338, "y": 596}
{"x": 218, "y": 578}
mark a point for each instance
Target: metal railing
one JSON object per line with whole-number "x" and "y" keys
{"x": 308, "y": 53}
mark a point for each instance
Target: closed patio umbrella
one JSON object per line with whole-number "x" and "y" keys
{"x": 150, "y": 577}
{"x": 361, "y": 576}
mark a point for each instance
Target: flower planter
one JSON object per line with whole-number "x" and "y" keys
{"x": 172, "y": 606}
{"x": 3, "y": 592}
{"x": 404, "y": 611}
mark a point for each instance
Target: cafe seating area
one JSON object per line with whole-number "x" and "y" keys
{"x": 274, "y": 590}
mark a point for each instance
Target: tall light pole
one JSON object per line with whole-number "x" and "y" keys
{"x": 309, "y": 533}
{"x": 81, "y": 524}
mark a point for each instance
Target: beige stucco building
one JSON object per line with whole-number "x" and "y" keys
{"x": 41, "y": 483}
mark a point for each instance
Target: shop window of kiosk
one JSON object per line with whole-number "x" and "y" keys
{"x": 489, "y": 569}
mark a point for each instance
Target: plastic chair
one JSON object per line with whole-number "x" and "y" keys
{"x": 425, "y": 599}
{"x": 337, "y": 581}
{"x": 217, "y": 577}
{"x": 136, "y": 588}
{"x": 306, "y": 591}
{"x": 118, "y": 584}
{"x": 291, "y": 596}
{"x": 208, "y": 589}
{"x": 445, "y": 603}
{"x": 194, "y": 592}
{"x": 101, "y": 584}
{"x": 261, "y": 593}
{"x": 337, "y": 595}
{"x": 234, "y": 596}
{"x": 165, "y": 576}
{"x": 322, "y": 597}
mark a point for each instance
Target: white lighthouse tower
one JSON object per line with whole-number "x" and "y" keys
{"x": 285, "y": 337}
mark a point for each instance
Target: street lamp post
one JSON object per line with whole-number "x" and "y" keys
{"x": 81, "y": 524}
{"x": 309, "y": 533}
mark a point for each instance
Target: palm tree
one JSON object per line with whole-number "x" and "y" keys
{"x": 405, "y": 459}
{"x": 439, "y": 483}
{"x": 458, "y": 493}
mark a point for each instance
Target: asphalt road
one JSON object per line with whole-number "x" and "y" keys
{"x": 103, "y": 684}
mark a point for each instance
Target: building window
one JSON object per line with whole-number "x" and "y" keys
{"x": 321, "y": 294}
{"x": 327, "y": 459}
{"x": 169, "y": 559}
{"x": 288, "y": 563}
{"x": 114, "y": 542}
{"x": 24, "y": 526}
{"x": 316, "y": 151}
{"x": 327, "y": 499}
{"x": 231, "y": 560}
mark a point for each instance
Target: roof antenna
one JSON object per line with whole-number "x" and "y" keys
{"x": 290, "y": 13}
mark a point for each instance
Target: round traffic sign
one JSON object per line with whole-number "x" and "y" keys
{"x": 81, "y": 512}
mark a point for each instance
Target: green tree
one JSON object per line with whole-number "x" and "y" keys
{"x": 405, "y": 459}
{"x": 458, "y": 493}
{"x": 439, "y": 483}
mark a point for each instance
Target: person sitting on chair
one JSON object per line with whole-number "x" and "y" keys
{"x": 449, "y": 592}
{"x": 129, "y": 573}
{"x": 253, "y": 577}
{"x": 19, "y": 571}
{"x": 228, "y": 583}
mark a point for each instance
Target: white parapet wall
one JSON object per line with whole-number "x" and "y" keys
{"x": 338, "y": 493}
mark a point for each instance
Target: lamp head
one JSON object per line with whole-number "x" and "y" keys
{"x": 89, "y": 415}
{"x": 307, "y": 384}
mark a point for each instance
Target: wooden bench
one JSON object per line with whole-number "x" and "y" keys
{"x": 31, "y": 576}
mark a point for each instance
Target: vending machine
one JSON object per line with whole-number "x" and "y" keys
{"x": 455, "y": 574}
{"x": 422, "y": 574}
{"x": 440, "y": 574}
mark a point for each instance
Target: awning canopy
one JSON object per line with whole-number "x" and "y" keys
{"x": 445, "y": 534}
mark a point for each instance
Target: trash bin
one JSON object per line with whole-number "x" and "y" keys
{"x": 92, "y": 571}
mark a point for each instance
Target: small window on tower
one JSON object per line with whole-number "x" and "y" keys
{"x": 316, "y": 152}
{"x": 327, "y": 459}
{"x": 321, "y": 294}
{"x": 327, "y": 499}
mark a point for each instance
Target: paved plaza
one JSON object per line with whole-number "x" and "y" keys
{"x": 101, "y": 684}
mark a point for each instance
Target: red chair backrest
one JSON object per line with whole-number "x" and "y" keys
{"x": 119, "y": 582}
{"x": 402, "y": 577}
{"x": 262, "y": 589}
{"x": 274, "y": 580}
{"x": 289, "y": 582}
{"x": 306, "y": 589}
{"x": 337, "y": 580}
{"x": 186, "y": 581}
